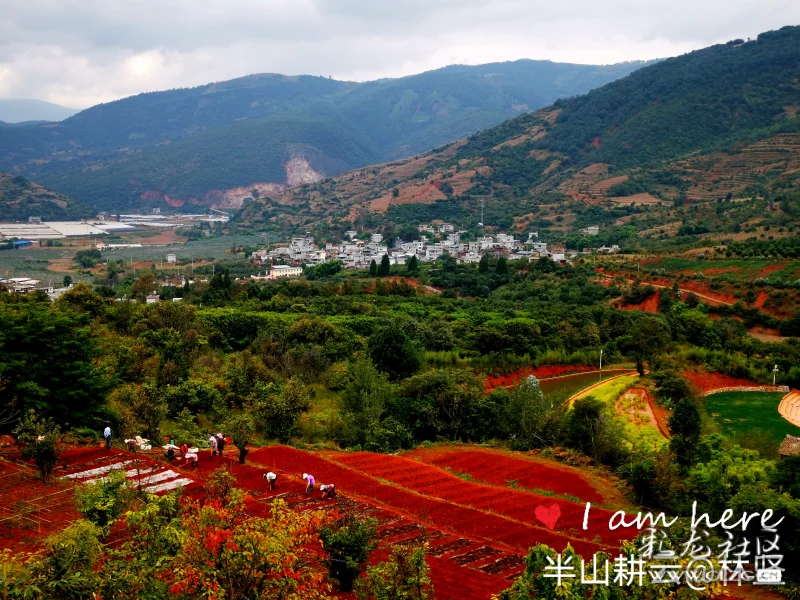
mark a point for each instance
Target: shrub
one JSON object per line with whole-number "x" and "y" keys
{"x": 348, "y": 542}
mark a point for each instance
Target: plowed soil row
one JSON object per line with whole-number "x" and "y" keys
{"x": 499, "y": 469}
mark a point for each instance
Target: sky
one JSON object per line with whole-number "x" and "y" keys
{"x": 79, "y": 53}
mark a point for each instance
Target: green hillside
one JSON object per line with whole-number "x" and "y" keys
{"x": 190, "y": 141}
{"x": 651, "y": 154}
{"x": 20, "y": 198}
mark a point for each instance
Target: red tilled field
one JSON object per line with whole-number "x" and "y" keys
{"x": 649, "y": 304}
{"x": 497, "y": 468}
{"x": 455, "y": 508}
{"x": 705, "y": 382}
{"x": 516, "y": 505}
{"x": 542, "y": 372}
{"x": 461, "y": 568}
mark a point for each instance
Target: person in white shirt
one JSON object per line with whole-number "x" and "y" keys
{"x": 328, "y": 491}
{"x": 107, "y": 435}
{"x": 213, "y": 441}
{"x": 190, "y": 457}
{"x": 271, "y": 479}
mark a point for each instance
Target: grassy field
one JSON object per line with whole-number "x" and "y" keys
{"x": 742, "y": 412}
{"x": 738, "y": 269}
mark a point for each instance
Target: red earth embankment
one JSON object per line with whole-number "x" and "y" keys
{"x": 705, "y": 382}
{"x": 541, "y": 372}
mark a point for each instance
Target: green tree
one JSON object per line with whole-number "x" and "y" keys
{"x": 651, "y": 336}
{"x": 685, "y": 427}
{"x": 383, "y": 268}
{"x": 82, "y": 299}
{"x": 592, "y": 429}
{"x": 501, "y": 268}
{"x": 412, "y": 265}
{"x": 365, "y": 398}
{"x": 348, "y": 542}
{"x": 49, "y": 364}
{"x": 240, "y": 428}
{"x": 39, "y": 439}
{"x": 373, "y": 268}
{"x": 393, "y": 352}
{"x": 534, "y": 420}
{"x": 67, "y": 280}
{"x": 404, "y": 576}
{"x": 483, "y": 265}
{"x": 280, "y": 412}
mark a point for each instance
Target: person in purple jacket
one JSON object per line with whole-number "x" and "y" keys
{"x": 311, "y": 481}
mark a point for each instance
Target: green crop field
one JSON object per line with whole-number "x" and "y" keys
{"x": 741, "y": 412}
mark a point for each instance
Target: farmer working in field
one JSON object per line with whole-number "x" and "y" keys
{"x": 191, "y": 457}
{"x": 271, "y": 479}
{"x": 311, "y": 481}
{"x": 328, "y": 491}
{"x": 107, "y": 435}
{"x": 213, "y": 442}
{"x": 220, "y": 443}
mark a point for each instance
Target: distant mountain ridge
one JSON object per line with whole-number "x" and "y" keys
{"x": 22, "y": 110}
{"x": 713, "y": 124}
{"x": 193, "y": 145}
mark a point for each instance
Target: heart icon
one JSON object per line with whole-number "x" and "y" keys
{"x": 548, "y": 515}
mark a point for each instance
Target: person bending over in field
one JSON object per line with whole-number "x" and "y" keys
{"x": 213, "y": 442}
{"x": 311, "y": 481}
{"x": 190, "y": 457}
{"x": 328, "y": 491}
{"x": 271, "y": 479}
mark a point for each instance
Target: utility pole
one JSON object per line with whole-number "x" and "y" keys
{"x": 601, "y": 359}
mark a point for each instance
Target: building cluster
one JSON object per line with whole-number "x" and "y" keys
{"x": 287, "y": 260}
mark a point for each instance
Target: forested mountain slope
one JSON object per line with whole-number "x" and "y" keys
{"x": 194, "y": 144}
{"x": 20, "y": 198}
{"x": 716, "y": 124}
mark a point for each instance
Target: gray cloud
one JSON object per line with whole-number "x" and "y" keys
{"x": 81, "y": 52}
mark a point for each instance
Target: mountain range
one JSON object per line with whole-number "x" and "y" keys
{"x": 704, "y": 142}
{"x": 26, "y": 110}
{"x": 212, "y": 144}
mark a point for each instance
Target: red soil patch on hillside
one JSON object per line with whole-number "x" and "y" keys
{"x": 705, "y": 382}
{"x": 541, "y": 372}
{"x": 509, "y": 505}
{"x": 432, "y": 495}
{"x": 770, "y": 269}
{"x": 649, "y": 304}
{"x": 497, "y": 468}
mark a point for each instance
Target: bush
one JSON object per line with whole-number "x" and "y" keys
{"x": 405, "y": 576}
{"x": 39, "y": 439}
{"x": 104, "y": 500}
{"x": 348, "y": 542}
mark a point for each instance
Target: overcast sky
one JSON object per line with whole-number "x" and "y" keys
{"x": 82, "y": 52}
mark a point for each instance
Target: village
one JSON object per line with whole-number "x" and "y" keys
{"x": 437, "y": 239}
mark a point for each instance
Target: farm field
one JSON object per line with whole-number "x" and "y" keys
{"x": 742, "y": 412}
{"x": 506, "y": 503}
{"x": 523, "y": 471}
